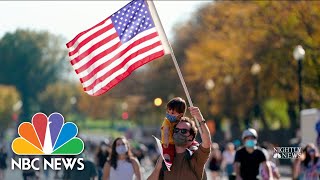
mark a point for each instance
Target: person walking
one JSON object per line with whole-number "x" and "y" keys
{"x": 310, "y": 165}
{"x": 122, "y": 165}
{"x": 3, "y": 162}
{"x": 249, "y": 157}
{"x": 101, "y": 157}
{"x": 184, "y": 166}
{"x": 215, "y": 160}
{"x": 228, "y": 159}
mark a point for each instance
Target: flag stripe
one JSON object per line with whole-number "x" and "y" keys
{"x": 121, "y": 77}
{"x": 114, "y": 75}
{"x": 85, "y": 33}
{"x": 109, "y": 58}
{"x": 91, "y": 37}
{"x": 112, "y": 42}
{"x": 100, "y": 76}
{"x": 109, "y": 50}
{"x": 97, "y": 36}
{"x": 118, "y": 69}
{"x": 104, "y": 42}
{"x": 133, "y": 48}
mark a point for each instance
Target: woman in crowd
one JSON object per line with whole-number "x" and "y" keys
{"x": 309, "y": 164}
{"x": 121, "y": 165}
{"x": 228, "y": 159}
{"x": 215, "y": 161}
{"x": 101, "y": 157}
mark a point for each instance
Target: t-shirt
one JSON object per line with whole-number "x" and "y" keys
{"x": 88, "y": 172}
{"x": 185, "y": 169}
{"x": 228, "y": 156}
{"x": 249, "y": 163}
{"x": 170, "y": 125}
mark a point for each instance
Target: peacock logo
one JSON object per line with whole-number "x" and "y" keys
{"x": 47, "y": 136}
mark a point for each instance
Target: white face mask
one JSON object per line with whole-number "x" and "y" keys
{"x": 122, "y": 149}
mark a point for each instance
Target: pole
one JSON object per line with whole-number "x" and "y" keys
{"x": 154, "y": 12}
{"x": 300, "y": 87}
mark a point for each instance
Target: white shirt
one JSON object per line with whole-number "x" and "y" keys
{"x": 228, "y": 156}
{"x": 124, "y": 171}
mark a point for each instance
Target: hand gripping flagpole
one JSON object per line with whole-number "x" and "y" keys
{"x": 168, "y": 49}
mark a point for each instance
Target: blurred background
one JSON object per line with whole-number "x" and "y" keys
{"x": 241, "y": 62}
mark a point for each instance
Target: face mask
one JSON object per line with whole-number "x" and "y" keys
{"x": 179, "y": 139}
{"x": 250, "y": 143}
{"x": 171, "y": 118}
{"x": 121, "y": 149}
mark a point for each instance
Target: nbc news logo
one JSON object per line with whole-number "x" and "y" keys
{"x": 287, "y": 152}
{"x": 47, "y": 136}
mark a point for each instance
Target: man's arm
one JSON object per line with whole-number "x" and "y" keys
{"x": 156, "y": 171}
{"x": 205, "y": 135}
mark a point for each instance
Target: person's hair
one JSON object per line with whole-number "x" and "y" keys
{"x": 114, "y": 155}
{"x": 177, "y": 104}
{"x": 307, "y": 156}
{"x": 194, "y": 129}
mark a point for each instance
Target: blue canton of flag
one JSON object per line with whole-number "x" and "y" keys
{"x": 131, "y": 20}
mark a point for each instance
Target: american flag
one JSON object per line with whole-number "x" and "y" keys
{"x": 108, "y": 52}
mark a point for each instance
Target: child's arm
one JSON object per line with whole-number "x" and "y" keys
{"x": 166, "y": 136}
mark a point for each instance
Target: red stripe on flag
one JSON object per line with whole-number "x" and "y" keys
{"x": 96, "y": 46}
{"x": 121, "y": 65}
{"x": 74, "y": 40}
{"x": 121, "y": 77}
{"x": 88, "y": 39}
{"x": 108, "y": 51}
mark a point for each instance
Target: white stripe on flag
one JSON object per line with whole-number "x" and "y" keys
{"x": 124, "y": 68}
{"x": 115, "y": 63}
{"x": 89, "y": 33}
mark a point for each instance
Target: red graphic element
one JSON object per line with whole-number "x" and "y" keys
{"x": 40, "y": 122}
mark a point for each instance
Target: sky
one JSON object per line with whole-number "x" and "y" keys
{"x": 68, "y": 18}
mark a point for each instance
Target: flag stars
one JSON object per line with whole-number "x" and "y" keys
{"x": 132, "y": 20}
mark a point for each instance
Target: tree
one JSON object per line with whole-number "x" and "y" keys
{"x": 30, "y": 61}
{"x": 9, "y": 97}
{"x": 59, "y": 97}
{"x": 225, "y": 38}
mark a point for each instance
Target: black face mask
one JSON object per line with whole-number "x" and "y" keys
{"x": 180, "y": 139}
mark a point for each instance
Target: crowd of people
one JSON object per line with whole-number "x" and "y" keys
{"x": 186, "y": 158}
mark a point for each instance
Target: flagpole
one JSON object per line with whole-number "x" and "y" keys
{"x": 164, "y": 40}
